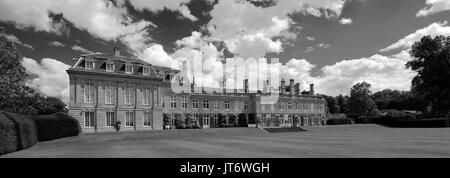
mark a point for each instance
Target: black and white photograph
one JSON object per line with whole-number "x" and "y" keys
{"x": 230, "y": 79}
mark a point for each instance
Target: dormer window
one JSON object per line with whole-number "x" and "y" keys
{"x": 110, "y": 67}
{"x": 146, "y": 70}
{"x": 129, "y": 69}
{"x": 89, "y": 65}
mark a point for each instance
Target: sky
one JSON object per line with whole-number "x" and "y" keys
{"x": 331, "y": 43}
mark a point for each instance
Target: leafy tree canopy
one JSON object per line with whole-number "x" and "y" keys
{"x": 432, "y": 64}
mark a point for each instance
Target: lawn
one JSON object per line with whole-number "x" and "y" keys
{"x": 327, "y": 141}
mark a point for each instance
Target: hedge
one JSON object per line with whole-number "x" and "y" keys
{"x": 8, "y": 138}
{"x": 55, "y": 126}
{"x": 400, "y": 122}
{"x": 339, "y": 121}
{"x": 25, "y": 130}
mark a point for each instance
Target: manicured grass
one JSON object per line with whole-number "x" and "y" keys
{"x": 327, "y": 141}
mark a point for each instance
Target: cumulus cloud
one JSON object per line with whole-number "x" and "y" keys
{"x": 434, "y": 6}
{"x": 310, "y": 38}
{"x": 81, "y": 49}
{"x": 158, "y": 5}
{"x": 56, "y": 44}
{"x": 345, "y": 21}
{"x": 103, "y": 19}
{"x": 50, "y": 79}
{"x": 16, "y": 40}
{"x": 381, "y": 71}
{"x": 249, "y": 31}
{"x": 434, "y": 29}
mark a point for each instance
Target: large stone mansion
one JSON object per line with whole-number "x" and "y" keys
{"x": 107, "y": 87}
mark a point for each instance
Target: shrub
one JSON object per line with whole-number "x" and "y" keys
{"x": 8, "y": 138}
{"x": 400, "y": 122}
{"x": 339, "y": 121}
{"x": 242, "y": 120}
{"x": 232, "y": 120}
{"x": 252, "y": 118}
{"x": 25, "y": 130}
{"x": 55, "y": 126}
{"x": 222, "y": 120}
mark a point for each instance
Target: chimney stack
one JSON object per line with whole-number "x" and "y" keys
{"x": 291, "y": 86}
{"x": 116, "y": 51}
{"x": 311, "y": 88}
{"x": 246, "y": 85}
{"x": 283, "y": 86}
{"x": 297, "y": 89}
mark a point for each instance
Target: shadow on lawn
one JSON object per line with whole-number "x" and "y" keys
{"x": 282, "y": 130}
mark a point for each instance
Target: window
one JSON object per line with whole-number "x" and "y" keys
{"x": 129, "y": 69}
{"x": 263, "y": 107}
{"x": 146, "y": 70}
{"x": 216, "y": 105}
{"x": 110, "y": 67}
{"x": 147, "y": 94}
{"x": 246, "y": 105}
{"x": 289, "y": 105}
{"x": 129, "y": 118}
{"x": 297, "y": 107}
{"x": 184, "y": 102}
{"x": 227, "y": 104}
{"x": 147, "y": 119}
{"x": 89, "y": 92}
{"x": 280, "y": 106}
{"x": 89, "y": 65}
{"x": 89, "y": 119}
{"x": 205, "y": 104}
{"x": 128, "y": 95}
{"x": 110, "y": 119}
{"x": 195, "y": 104}
{"x": 109, "y": 94}
{"x": 173, "y": 102}
{"x": 205, "y": 119}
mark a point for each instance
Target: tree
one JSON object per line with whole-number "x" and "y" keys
{"x": 15, "y": 96}
{"x": 343, "y": 103}
{"x": 333, "y": 104}
{"x": 432, "y": 64}
{"x": 360, "y": 103}
{"x": 399, "y": 100}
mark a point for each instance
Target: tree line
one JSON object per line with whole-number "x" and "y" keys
{"x": 15, "y": 96}
{"x": 430, "y": 88}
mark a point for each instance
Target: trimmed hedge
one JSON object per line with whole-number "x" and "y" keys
{"x": 25, "y": 130}
{"x": 339, "y": 121}
{"x": 8, "y": 137}
{"x": 55, "y": 126}
{"x": 400, "y": 122}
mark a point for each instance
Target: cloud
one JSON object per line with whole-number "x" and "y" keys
{"x": 310, "y": 38}
{"x": 16, "y": 40}
{"x": 51, "y": 77}
{"x": 309, "y": 49}
{"x": 434, "y": 29}
{"x": 324, "y": 45}
{"x": 55, "y": 44}
{"x": 345, "y": 21}
{"x": 381, "y": 71}
{"x": 158, "y": 5}
{"x": 434, "y": 6}
{"x": 103, "y": 19}
{"x": 250, "y": 31}
{"x": 81, "y": 49}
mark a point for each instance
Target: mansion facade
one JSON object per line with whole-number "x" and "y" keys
{"x": 105, "y": 88}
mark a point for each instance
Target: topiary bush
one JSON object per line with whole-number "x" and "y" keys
{"x": 8, "y": 138}
{"x": 242, "y": 120}
{"x": 26, "y": 132}
{"x": 55, "y": 126}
